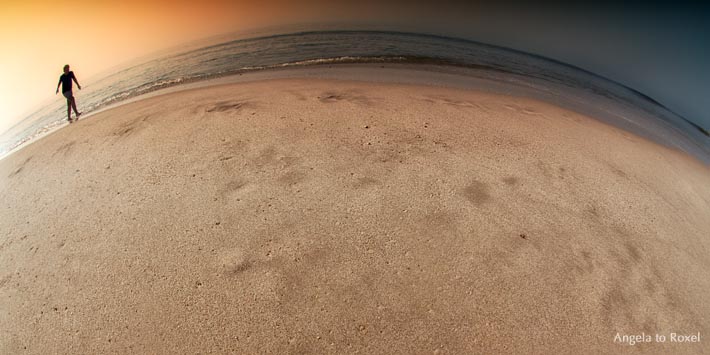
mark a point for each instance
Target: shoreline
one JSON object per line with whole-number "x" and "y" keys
{"x": 626, "y": 118}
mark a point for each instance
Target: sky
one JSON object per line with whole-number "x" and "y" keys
{"x": 660, "y": 49}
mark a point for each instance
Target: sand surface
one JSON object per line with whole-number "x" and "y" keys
{"x": 322, "y": 216}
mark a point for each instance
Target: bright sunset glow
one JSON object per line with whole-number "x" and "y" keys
{"x": 38, "y": 37}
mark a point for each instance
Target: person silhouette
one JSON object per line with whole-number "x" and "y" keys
{"x": 65, "y": 80}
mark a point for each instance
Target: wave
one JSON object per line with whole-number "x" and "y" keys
{"x": 163, "y": 84}
{"x": 325, "y": 48}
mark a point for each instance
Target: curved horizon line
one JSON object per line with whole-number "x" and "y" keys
{"x": 468, "y": 41}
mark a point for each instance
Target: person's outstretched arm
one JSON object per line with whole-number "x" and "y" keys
{"x": 77, "y": 83}
{"x": 59, "y": 83}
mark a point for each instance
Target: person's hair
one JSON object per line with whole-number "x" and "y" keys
{"x": 66, "y": 67}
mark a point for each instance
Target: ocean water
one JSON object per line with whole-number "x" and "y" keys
{"x": 314, "y": 48}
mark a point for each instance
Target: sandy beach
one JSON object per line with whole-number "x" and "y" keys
{"x": 326, "y": 216}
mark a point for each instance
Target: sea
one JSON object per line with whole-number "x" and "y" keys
{"x": 530, "y": 75}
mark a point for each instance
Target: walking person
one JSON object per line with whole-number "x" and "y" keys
{"x": 66, "y": 82}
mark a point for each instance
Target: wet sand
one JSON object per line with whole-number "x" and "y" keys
{"x": 325, "y": 216}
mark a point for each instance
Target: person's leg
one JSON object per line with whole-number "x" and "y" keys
{"x": 69, "y": 110}
{"x": 73, "y": 104}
